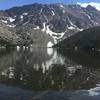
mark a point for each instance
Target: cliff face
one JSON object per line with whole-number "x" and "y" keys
{"x": 45, "y": 25}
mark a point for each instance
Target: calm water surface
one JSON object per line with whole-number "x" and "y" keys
{"x": 49, "y": 74}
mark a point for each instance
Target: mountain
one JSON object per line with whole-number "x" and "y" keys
{"x": 86, "y": 40}
{"x": 93, "y": 4}
{"x": 45, "y": 24}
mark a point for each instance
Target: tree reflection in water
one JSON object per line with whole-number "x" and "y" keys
{"x": 47, "y": 69}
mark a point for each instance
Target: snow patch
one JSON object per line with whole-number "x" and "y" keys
{"x": 49, "y": 44}
{"x": 80, "y": 29}
{"x": 53, "y": 13}
{"x": 44, "y": 27}
{"x": 11, "y": 25}
{"x": 11, "y": 19}
{"x": 51, "y": 33}
{"x": 48, "y": 31}
{"x": 36, "y": 28}
{"x": 71, "y": 27}
{"x": 71, "y": 23}
{"x": 21, "y": 16}
{"x": 54, "y": 35}
{"x": 4, "y": 21}
{"x": 25, "y": 14}
{"x": 61, "y": 6}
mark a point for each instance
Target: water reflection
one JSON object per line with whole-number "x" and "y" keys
{"x": 46, "y": 69}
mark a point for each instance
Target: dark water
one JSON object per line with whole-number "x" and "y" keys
{"x": 49, "y": 74}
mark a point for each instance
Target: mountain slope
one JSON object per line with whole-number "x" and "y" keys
{"x": 9, "y": 36}
{"x": 47, "y": 24}
{"x": 88, "y": 40}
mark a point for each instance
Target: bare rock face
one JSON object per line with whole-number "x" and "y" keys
{"x": 44, "y": 24}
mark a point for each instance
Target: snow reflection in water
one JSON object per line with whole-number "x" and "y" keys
{"x": 45, "y": 68}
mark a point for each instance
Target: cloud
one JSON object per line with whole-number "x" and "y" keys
{"x": 93, "y": 4}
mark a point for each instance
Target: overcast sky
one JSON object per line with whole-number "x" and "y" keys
{"x": 5, "y": 4}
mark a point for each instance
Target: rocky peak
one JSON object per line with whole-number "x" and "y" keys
{"x": 91, "y": 8}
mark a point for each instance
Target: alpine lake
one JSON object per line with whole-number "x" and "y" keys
{"x": 49, "y": 74}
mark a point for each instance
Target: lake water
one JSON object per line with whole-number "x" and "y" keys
{"x": 49, "y": 74}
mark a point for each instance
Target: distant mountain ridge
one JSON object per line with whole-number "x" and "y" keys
{"x": 93, "y": 4}
{"x": 45, "y": 24}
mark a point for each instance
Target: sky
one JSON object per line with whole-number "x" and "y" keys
{"x": 5, "y": 4}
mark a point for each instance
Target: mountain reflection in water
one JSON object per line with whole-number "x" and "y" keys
{"x": 47, "y": 69}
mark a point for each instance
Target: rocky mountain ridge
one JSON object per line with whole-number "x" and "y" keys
{"x": 45, "y": 24}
